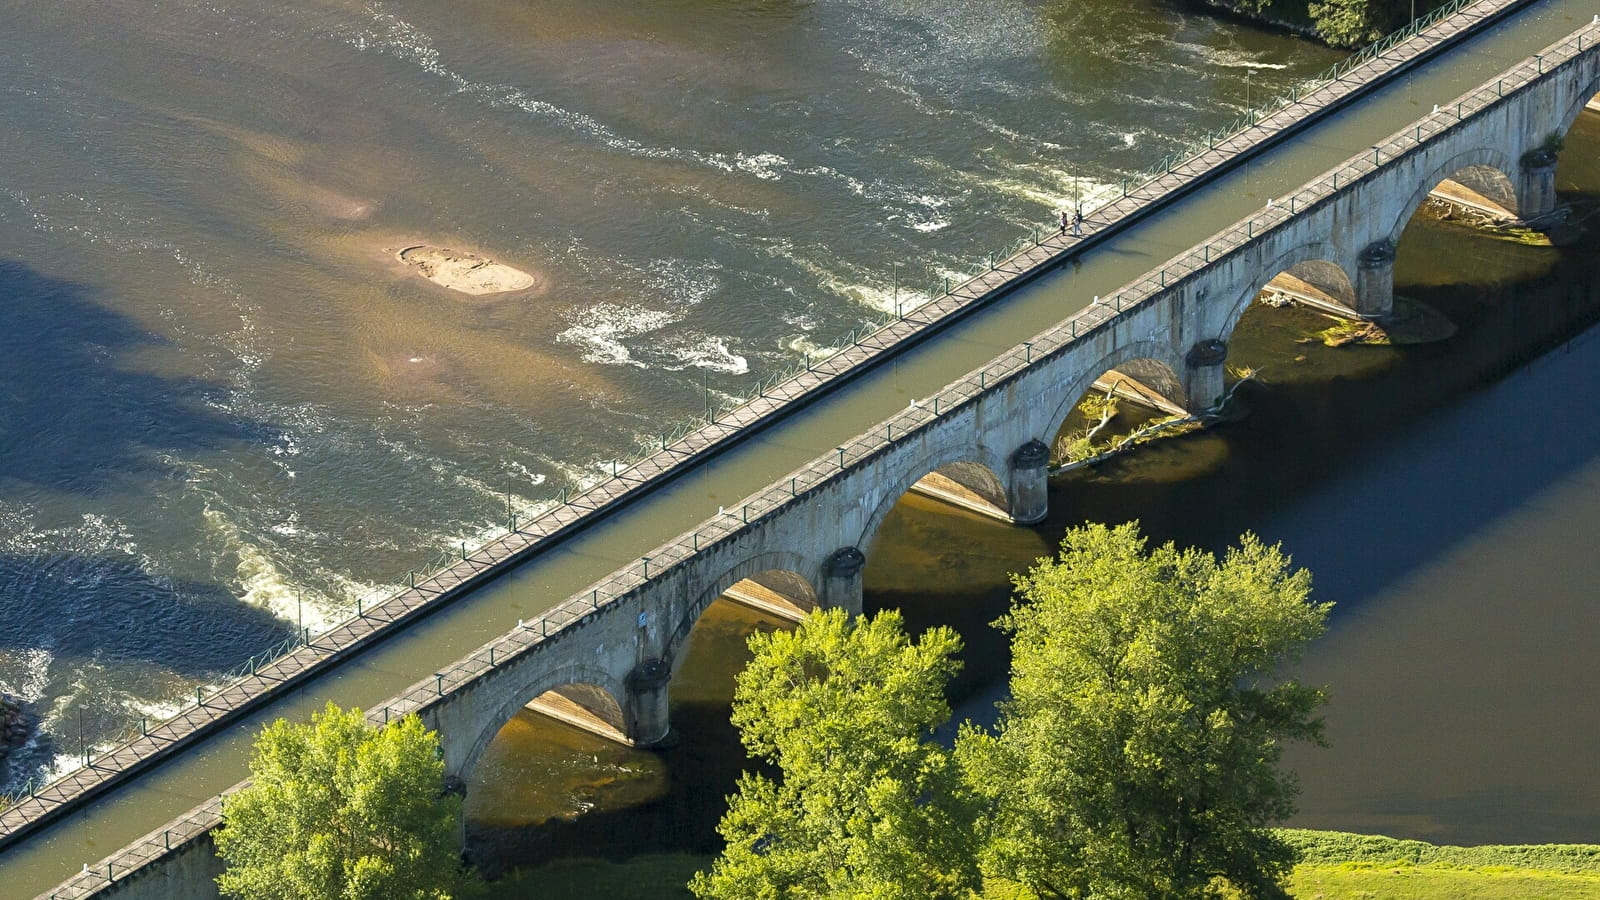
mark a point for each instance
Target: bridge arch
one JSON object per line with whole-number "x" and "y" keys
{"x": 1315, "y": 263}
{"x": 976, "y": 466}
{"x": 1487, "y": 170}
{"x": 1586, "y": 93}
{"x": 1156, "y": 359}
{"x": 591, "y": 688}
{"x": 796, "y": 576}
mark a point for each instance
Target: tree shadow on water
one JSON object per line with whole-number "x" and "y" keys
{"x": 76, "y": 418}
{"x": 110, "y": 609}
{"x": 72, "y": 415}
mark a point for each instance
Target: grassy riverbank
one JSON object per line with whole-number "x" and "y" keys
{"x": 1334, "y": 866}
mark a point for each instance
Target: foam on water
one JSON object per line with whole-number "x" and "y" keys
{"x": 388, "y": 34}
{"x": 703, "y": 351}
{"x": 601, "y": 329}
{"x": 30, "y": 668}
{"x": 259, "y": 579}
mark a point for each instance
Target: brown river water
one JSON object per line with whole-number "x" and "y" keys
{"x": 231, "y": 409}
{"x": 1444, "y": 495}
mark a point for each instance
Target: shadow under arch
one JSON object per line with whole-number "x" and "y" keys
{"x": 1314, "y": 275}
{"x": 1484, "y": 171}
{"x": 1154, "y": 363}
{"x": 966, "y": 475}
{"x": 778, "y": 582}
{"x": 579, "y": 694}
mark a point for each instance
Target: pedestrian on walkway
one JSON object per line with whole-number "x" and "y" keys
{"x": 1077, "y": 222}
{"x": 1063, "y": 221}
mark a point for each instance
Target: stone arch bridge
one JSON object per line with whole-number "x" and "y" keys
{"x": 605, "y": 659}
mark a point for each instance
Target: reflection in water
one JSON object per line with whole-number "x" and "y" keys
{"x": 1442, "y": 494}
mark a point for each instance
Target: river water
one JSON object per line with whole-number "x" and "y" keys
{"x": 1443, "y": 494}
{"x": 229, "y": 409}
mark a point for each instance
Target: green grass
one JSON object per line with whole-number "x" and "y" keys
{"x": 1370, "y": 881}
{"x": 1324, "y": 848}
{"x": 1334, "y": 866}
{"x": 1339, "y": 866}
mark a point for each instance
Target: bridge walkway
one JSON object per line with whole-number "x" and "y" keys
{"x": 44, "y": 859}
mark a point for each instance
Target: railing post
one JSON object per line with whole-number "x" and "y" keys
{"x": 1027, "y": 352}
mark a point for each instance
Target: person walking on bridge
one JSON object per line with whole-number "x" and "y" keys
{"x": 1077, "y": 222}
{"x": 1063, "y": 219}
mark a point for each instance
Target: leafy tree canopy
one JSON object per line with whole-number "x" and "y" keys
{"x": 337, "y": 810}
{"x": 867, "y": 806}
{"x": 1137, "y": 756}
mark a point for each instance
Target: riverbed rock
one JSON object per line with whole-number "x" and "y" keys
{"x": 468, "y": 273}
{"x": 15, "y": 724}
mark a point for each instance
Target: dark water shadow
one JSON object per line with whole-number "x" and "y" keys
{"x": 1367, "y": 478}
{"x": 704, "y": 766}
{"x": 72, "y": 417}
{"x": 112, "y": 610}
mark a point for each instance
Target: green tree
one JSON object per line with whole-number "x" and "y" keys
{"x": 338, "y": 810}
{"x": 1352, "y": 23}
{"x": 866, "y": 806}
{"x": 1137, "y": 756}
